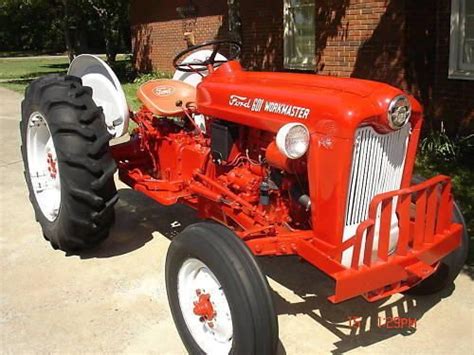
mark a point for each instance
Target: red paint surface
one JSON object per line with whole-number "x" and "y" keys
{"x": 172, "y": 163}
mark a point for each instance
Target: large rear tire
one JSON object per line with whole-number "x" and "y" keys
{"x": 219, "y": 298}
{"x": 68, "y": 167}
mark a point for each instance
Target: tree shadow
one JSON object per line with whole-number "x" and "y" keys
{"x": 60, "y": 66}
{"x": 142, "y": 47}
{"x": 313, "y": 287}
{"x": 328, "y": 25}
{"x": 382, "y": 56}
{"x": 262, "y": 41}
{"x": 22, "y": 81}
{"x": 28, "y": 53}
{"x": 137, "y": 217}
{"x": 38, "y": 74}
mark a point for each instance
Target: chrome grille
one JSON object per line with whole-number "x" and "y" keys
{"x": 377, "y": 166}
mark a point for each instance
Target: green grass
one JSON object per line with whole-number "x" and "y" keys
{"x": 23, "y": 69}
{"x": 130, "y": 90}
{"x": 17, "y": 73}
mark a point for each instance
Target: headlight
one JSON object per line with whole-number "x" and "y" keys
{"x": 293, "y": 140}
{"x": 399, "y": 112}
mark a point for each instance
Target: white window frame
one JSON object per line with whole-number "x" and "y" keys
{"x": 287, "y": 62}
{"x": 457, "y": 68}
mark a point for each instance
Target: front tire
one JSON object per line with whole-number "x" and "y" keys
{"x": 68, "y": 168}
{"x": 219, "y": 298}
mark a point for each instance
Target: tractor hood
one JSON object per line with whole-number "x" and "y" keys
{"x": 269, "y": 100}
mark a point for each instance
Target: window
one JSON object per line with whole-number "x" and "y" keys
{"x": 461, "y": 53}
{"x": 299, "y": 35}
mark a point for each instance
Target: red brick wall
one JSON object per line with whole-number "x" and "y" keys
{"x": 342, "y": 27}
{"x": 158, "y": 30}
{"x": 262, "y": 34}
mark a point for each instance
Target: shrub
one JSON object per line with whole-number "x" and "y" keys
{"x": 143, "y": 78}
{"x": 437, "y": 145}
{"x": 452, "y": 156}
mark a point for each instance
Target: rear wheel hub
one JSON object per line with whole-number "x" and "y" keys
{"x": 43, "y": 166}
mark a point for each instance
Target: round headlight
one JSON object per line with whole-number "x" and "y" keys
{"x": 293, "y": 140}
{"x": 399, "y": 112}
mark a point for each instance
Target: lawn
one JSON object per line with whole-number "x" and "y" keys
{"x": 16, "y": 73}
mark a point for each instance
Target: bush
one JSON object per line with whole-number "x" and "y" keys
{"x": 437, "y": 145}
{"x": 124, "y": 69}
{"x": 452, "y": 156}
{"x": 143, "y": 78}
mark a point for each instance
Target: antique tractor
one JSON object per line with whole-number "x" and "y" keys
{"x": 282, "y": 163}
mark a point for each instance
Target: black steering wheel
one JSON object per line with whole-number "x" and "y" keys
{"x": 211, "y": 61}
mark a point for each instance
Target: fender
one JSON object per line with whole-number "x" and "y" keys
{"x": 106, "y": 91}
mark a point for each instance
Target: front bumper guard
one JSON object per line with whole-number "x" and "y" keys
{"x": 426, "y": 235}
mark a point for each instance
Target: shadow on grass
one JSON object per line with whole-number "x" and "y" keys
{"x": 24, "y": 54}
{"x": 122, "y": 68}
{"x": 62, "y": 66}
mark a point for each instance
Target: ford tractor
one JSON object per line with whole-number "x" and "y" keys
{"x": 274, "y": 163}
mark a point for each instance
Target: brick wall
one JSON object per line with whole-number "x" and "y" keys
{"x": 158, "y": 30}
{"x": 342, "y": 28}
{"x": 401, "y": 42}
{"x": 262, "y": 34}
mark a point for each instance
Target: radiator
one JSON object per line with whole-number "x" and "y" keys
{"x": 378, "y": 161}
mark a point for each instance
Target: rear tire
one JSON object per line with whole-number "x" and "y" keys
{"x": 216, "y": 251}
{"x": 62, "y": 109}
{"x": 450, "y": 266}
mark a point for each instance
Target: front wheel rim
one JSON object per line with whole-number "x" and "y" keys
{"x": 211, "y": 326}
{"x": 43, "y": 166}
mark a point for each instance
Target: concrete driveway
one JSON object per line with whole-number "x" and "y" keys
{"x": 112, "y": 299}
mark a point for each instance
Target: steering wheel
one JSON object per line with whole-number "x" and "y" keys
{"x": 211, "y": 61}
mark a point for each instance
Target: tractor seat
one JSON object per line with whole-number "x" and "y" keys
{"x": 166, "y": 97}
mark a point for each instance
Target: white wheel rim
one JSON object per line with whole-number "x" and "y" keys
{"x": 43, "y": 166}
{"x": 213, "y": 336}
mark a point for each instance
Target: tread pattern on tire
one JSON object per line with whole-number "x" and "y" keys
{"x": 88, "y": 192}
{"x": 260, "y": 327}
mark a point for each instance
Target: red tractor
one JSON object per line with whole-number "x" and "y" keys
{"x": 276, "y": 163}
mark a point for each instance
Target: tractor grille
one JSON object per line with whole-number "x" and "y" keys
{"x": 377, "y": 166}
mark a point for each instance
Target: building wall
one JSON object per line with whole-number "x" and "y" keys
{"x": 401, "y": 42}
{"x": 158, "y": 30}
{"x": 262, "y": 34}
